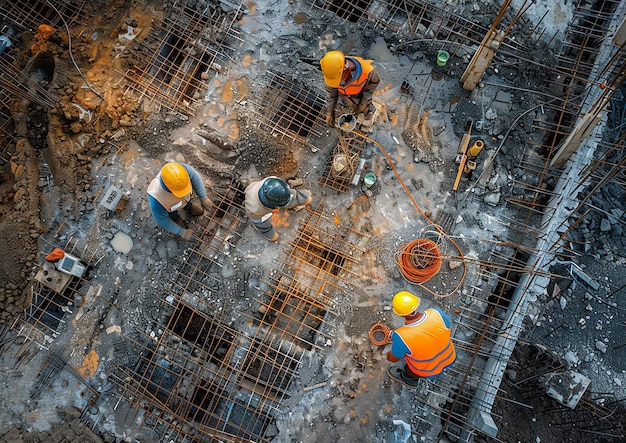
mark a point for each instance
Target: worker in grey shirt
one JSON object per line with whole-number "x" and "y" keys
{"x": 266, "y": 196}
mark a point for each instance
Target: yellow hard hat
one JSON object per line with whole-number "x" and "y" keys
{"x": 333, "y": 64}
{"x": 404, "y": 303}
{"x": 176, "y": 179}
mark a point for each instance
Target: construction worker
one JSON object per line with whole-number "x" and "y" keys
{"x": 355, "y": 79}
{"x": 170, "y": 191}
{"x": 424, "y": 341}
{"x": 265, "y": 197}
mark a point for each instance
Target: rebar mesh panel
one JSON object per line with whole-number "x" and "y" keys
{"x": 17, "y": 83}
{"x": 207, "y": 336}
{"x": 292, "y": 314}
{"x": 290, "y": 110}
{"x": 176, "y": 57}
{"x": 343, "y": 165}
{"x": 218, "y": 225}
{"x": 29, "y": 14}
{"x": 268, "y": 370}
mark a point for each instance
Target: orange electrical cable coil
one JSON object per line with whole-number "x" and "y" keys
{"x": 380, "y": 334}
{"x": 419, "y": 260}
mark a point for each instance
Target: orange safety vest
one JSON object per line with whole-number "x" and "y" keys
{"x": 431, "y": 349}
{"x": 355, "y": 87}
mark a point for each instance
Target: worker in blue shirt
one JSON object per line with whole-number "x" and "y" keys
{"x": 170, "y": 191}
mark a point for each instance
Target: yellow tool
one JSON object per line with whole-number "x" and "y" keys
{"x": 472, "y": 153}
{"x": 461, "y": 156}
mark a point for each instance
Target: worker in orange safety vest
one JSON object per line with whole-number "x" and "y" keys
{"x": 355, "y": 79}
{"x": 424, "y": 341}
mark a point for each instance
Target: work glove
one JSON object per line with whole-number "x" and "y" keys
{"x": 330, "y": 119}
{"x": 362, "y": 108}
{"x": 207, "y": 203}
{"x": 187, "y": 234}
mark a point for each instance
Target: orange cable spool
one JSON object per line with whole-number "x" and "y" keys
{"x": 419, "y": 260}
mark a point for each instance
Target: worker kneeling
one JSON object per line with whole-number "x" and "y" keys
{"x": 265, "y": 197}
{"x": 424, "y": 341}
{"x": 170, "y": 191}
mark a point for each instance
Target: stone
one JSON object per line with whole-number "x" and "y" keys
{"x": 492, "y": 199}
{"x": 571, "y": 358}
{"x": 601, "y": 346}
{"x": 605, "y": 225}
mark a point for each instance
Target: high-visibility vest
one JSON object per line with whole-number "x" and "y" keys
{"x": 431, "y": 349}
{"x": 355, "y": 87}
{"x": 168, "y": 200}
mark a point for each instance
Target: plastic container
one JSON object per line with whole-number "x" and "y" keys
{"x": 442, "y": 57}
{"x": 369, "y": 179}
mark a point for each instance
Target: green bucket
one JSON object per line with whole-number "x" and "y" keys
{"x": 442, "y": 57}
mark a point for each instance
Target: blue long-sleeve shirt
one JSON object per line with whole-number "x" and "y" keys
{"x": 161, "y": 215}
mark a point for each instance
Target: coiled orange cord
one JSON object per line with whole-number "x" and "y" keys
{"x": 438, "y": 228}
{"x": 419, "y": 260}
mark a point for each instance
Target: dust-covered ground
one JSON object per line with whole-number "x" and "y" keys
{"x": 100, "y": 134}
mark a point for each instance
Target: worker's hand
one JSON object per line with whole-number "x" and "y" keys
{"x": 362, "y": 108}
{"x": 207, "y": 203}
{"x": 187, "y": 234}
{"x": 392, "y": 358}
{"x": 330, "y": 119}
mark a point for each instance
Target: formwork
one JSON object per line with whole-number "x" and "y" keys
{"x": 181, "y": 53}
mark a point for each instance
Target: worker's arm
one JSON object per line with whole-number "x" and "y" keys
{"x": 398, "y": 348}
{"x": 332, "y": 95}
{"x": 196, "y": 181}
{"x": 162, "y": 217}
{"x": 368, "y": 91}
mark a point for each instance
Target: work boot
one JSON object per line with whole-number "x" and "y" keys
{"x": 195, "y": 209}
{"x": 399, "y": 375}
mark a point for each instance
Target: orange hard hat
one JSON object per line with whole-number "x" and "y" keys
{"x": 333, "y": 64}
{"x": 176, "y": 179}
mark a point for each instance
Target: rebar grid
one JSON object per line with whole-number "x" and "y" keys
{"x": 217, "y": 226}
{"x": 16, "y": 83}
{"x": 419, "y": 18}
{"x": 189, "y": 378}
{"x": 29, "y": 14}
{"x": 176, "y": 58}
{"x": 269, "y": 366}
{"x": 291, "y": 314}
{"x": 343, "y": 165}
{"x": 289, "y": 110}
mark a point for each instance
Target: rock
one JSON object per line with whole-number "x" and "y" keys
{"x": 492, "y": 199}
{"x": 562, "y": 302}
{"x": 453, "y": 264}
{"x": 605, "y": 225}
{"x": 601, "y": 346}
{"x": 571, "y": 358}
